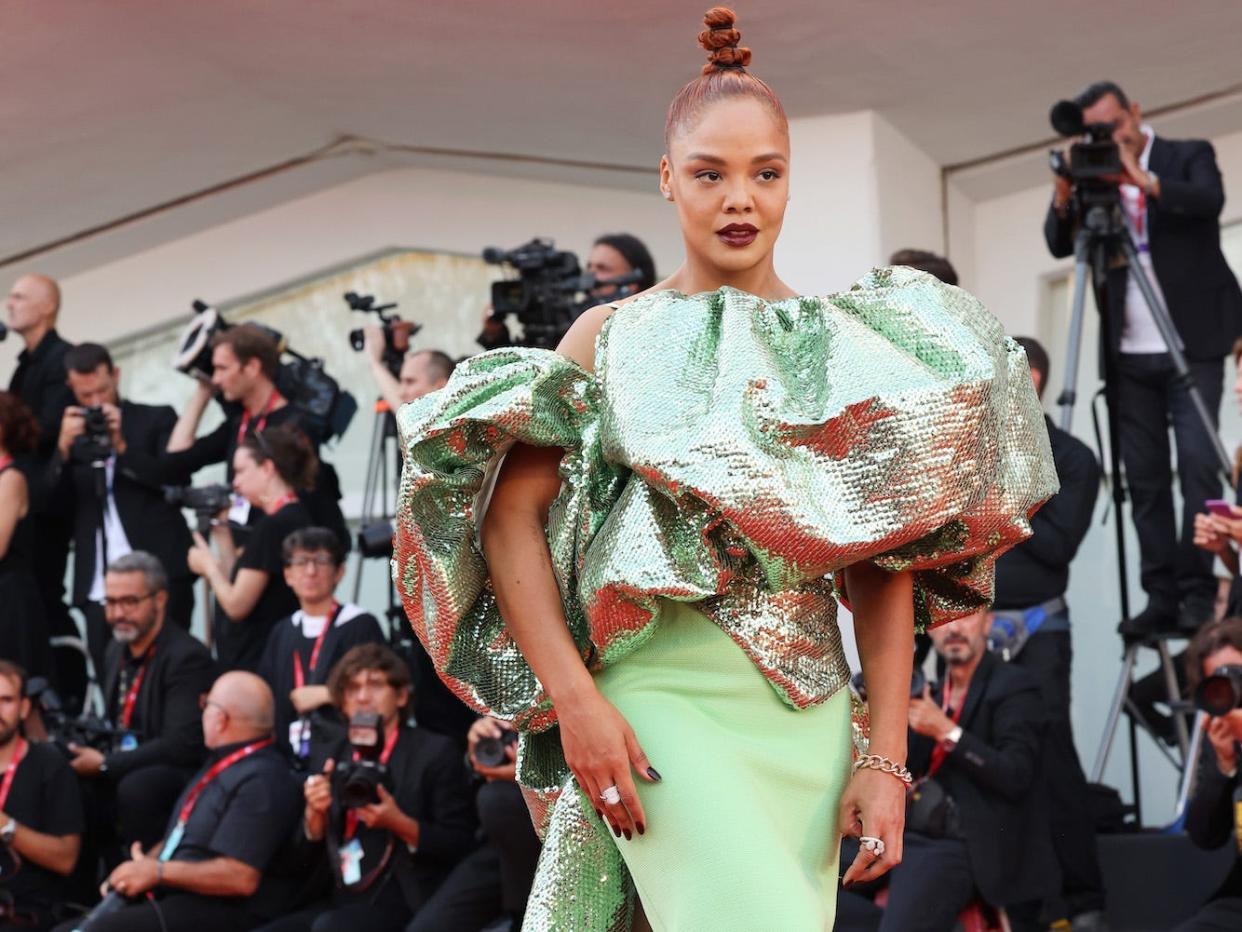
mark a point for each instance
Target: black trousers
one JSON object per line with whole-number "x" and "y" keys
{"x": 1048, "y": 656}
{"x": 1149, "y": 403}
{"x": 175, "y": 912}
{"x": 385, "y": 911}
{"x": 1223, "y": 915}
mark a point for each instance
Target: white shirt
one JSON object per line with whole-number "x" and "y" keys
{"x": 1139, "y": 333}
{"x": 312, "y": 625}
{"x": 113, "y": 532}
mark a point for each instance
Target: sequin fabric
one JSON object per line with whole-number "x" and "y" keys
{"x": 732, "y": 452}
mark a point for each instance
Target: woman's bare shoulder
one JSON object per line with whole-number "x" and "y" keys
{"x": 579, "y": 341}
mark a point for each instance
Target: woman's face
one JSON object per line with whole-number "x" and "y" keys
{"x": 728, "y": 174}
{"x": 251, "y": 480}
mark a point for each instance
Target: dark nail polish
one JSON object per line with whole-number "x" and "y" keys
{"x": 654, "y": 774}
{"x": 616, "y": 831}
{"x": 641, "y": 828}
{"x": 599, "y": 815}
{"x": 628, "y": 835}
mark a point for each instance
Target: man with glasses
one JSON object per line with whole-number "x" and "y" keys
{"x": 303, "y": 648}
{"x": 154, "y": 672}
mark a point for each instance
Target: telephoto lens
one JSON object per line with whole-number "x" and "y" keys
{"x": 1220, "y": 693}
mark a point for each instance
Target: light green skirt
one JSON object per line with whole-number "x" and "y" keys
{"x": 742, "y": 831}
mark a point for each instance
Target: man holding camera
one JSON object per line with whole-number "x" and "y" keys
{"x": 154, "y": 674}
{"x": 40, "y": 814}
{"x": 421, "y": 372}
{"x": 1214, "y": 814}
{"x": 107, "y": 459}
{"x": 208, "y": 871}
{"x": 390, "y": 808}
{"x": 1171, "y": 196}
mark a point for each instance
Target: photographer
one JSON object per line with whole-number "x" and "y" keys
{"x": 153, "y": 675}
{"x": 233, "y": 816}
{"x": 976, "y": 819}
{"x": 612, "y": 256}
{"x": 126, "y": 441}
{"x": 495, "y": 879}
{"x": 1211, "y": 819}
{"x": 39, "y": 380}
{"x": 40, "y": 814}
{"x": 245, "y": 362}
{"x": 1171, "y": 195}
{"x": 303, "y": 648}
{"x": 421, "y": 372}
{"x": 270, "y": 466}
{"x": 389, "y": 855}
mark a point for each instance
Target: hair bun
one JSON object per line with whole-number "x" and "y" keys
{"x": 721, "y": 39}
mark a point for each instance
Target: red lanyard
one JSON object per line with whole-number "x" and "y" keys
{"x": 5, "y": 462}
{"x": 11, "y": 771}
{"x": 299, "y": 676}
{"x": 272, "y": 400}
{"x": 131, "y": 697}
{"x": 287, "y": 499}
{"x": 351, "y": 815}
{"x": 938, "y": 752}
{"x": 216, "y": 769}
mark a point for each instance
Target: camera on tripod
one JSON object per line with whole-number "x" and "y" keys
{"x": 397, "y": 332}
{"x": 1094, "y": 161}
{"x": 358, "y": 780}
{"x": 205, "y": 501}
{"x": 548, "y": 294}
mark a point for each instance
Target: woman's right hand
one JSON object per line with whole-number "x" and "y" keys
{"x": 1208, "y": 534}
{"x": 601, "y": 748}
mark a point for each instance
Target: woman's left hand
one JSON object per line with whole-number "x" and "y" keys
{"x": 874, "y": 805}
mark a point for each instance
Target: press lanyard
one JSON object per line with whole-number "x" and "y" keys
{"x": 299, "y": 676}
{"x": 5, "y": 462}
{"x": 131, "y": 697}
{"x": 351, "y": 815}
{"x": 287, "y": 499}
{"x": 174, "y": 837}
{"x": 938, "y": 752}
{"x": 11, "y": 771}
{"x": 272, "y": 400}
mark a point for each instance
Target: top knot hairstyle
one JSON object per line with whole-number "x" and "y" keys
{"x": 723, "y": 76}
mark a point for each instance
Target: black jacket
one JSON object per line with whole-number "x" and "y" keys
{"x": 993, "y": 775}
{"x": 150, "y": 523}
{"x": 1203, "y": 296}
{"x": 39, "y": 380}
{"x": 1210, "y": 815}
{"x": 166, "y": 716}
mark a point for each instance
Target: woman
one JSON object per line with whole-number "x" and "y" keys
{"x": 270, "y": 467}
{"x": 23, "y": 630}
{"x": 712, "y": 461}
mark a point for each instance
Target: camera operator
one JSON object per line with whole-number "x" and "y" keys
{"x": 233, "y": 816}
{"x": 40, "y": 813}
{"x": 153, "y": 675}
{"x": 1213, "y": 818}
{"x": 269, "y": 468}
{"x": 245, "y": 361}
{"x": 303, "y": 648}
{"x": 422, "y": 371}
{"x": 39, "y": 380}
{"x": 387, "y": 856}
{"x": 1031, "y": 626}
{"x": 1171, "y": 194}
{"x": 977, "y": 818}
{"x": 612, "y": 256}
{"x": 495, "y": 879}
{"x": 127, "y": 439}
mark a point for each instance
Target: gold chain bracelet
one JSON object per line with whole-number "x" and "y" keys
{"x": 884, "y": 765}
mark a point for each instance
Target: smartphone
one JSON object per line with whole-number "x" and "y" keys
{"x": 1219, "y": 506}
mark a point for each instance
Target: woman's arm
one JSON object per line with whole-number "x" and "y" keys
{"x": 13, "y": 504}
{"x": 226, "y": 546}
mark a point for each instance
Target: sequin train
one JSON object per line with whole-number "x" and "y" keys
{"x": 731, "y": 452}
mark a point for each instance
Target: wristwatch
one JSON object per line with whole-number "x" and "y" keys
{"x": 952, "y": 738}
{"x": 8, "y": 831}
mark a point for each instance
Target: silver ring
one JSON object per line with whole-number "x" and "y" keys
{"x": 872, "y": 845}
{"x": 611, "y": 795}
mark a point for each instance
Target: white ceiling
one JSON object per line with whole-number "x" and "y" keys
{"x": 111, "y": 108}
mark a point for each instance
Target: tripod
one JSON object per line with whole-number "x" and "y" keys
{"x": 378, "y": 505}
{"x": 1103, "y": 239}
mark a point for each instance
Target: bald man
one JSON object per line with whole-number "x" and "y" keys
{"x": 233, "y": 816}
{"x": 33, "y": 305}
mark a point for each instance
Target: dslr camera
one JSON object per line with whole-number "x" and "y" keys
{"x": 1220, "y": 693}
{"x": 205, "y": 501}
{"x": 65, "y": 729}
{"x": 492, "y": 752}
{"x": 94, "y": 446}
{"x": 358, "y": 780}
{"x": 397, "y": 332}
{"x": 1094, "y": 161}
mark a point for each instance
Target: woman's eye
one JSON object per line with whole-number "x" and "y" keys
{"x": 769, "y": 174}
{"x": 708, "y": 176}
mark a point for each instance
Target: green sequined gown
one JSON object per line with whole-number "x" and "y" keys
{"x": 727, "y": 458}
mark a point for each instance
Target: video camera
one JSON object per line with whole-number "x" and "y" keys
{"x": 397, "y": 332}
{"x": 1093, "y": 163}
{"x": 358, "y": 781}
{"x": 326, "y": 410}
{"x": 205, "y": 501}
{"x": 1220, "y": 693}
{"x": 64, "y": 729}
{"x": 550, "y": 292}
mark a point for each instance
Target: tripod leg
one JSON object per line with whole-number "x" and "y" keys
{"x": 1189, "y": 768}
{"x": 1174, "y": 698}
{"x": 1073, "y": 346}
{"x": 1114, "y": 713}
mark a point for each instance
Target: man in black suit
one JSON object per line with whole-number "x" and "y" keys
{"x": 980, "y": 823}
{"x": 154, "y": 674}
{"x": 1171, "y": 195}
{"x": 388, "y": 857}
{"x": 33, "y": 305}
{"x": 119, "y": 503}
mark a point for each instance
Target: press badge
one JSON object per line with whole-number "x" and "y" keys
{"x": 174, "y": 839}
{"x": 239, "y": 511}
{"x": 351, "y": 862}
{"x": 299, "y": 737}
{"x": 129, "y": 741}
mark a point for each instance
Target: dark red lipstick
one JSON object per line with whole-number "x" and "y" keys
{"x": 738, "y": 235}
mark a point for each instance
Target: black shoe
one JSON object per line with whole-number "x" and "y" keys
{"x": 1196, "y": 611}
{"x": 1156, "y": 618}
